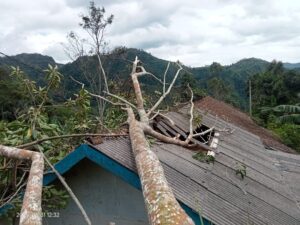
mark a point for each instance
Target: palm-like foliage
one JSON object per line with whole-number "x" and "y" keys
{"x": 289, "y": 113}
{"x": 288, "y": 108}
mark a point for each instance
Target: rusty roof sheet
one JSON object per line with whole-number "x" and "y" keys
{"x": 269, "y": 193}
{"x": 241, "y": 119}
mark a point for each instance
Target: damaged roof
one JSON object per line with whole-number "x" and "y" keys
{"x": 268, "y": 194}
{"x": 240, "y": 119}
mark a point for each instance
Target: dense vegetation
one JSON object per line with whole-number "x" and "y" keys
{"x": 29, "y": 113}
{"x": 276, "y": 98}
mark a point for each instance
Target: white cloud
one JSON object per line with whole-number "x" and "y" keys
{"x": 197, "y": 32}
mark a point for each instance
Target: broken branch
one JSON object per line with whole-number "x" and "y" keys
{"x": 158, "y": 113}
{"x": 165, "y": 93}
{"x": 191, "y": 116}
{"x": 204, "y": 132}
{"x": 195, "y": 146}
{"x": 64, "y": 183}
{"x": 165, "y": 74}
{"x": 138, "y": 93}
{"x": 121, "y": 99}
{"x": 31, "y": 208}
{"x": 105, "y": 99}
{"x": 144, "y": 72}
{"x": 11, "y": 197}
{"x": 68, "y": 136}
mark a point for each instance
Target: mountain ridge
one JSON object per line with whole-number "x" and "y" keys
{"x": 42, "y": 61}
{"x": 117, "y": 64}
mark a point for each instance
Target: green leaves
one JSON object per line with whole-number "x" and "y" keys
{"x": 289, "y": 133}
{"x": 241, "y": 170}
{"x": 81, "y": 109}
{"x": 95, "y": 22}
{"x": 17, "y": 72}
{"x": 287, "y": 108}
{"x": 276, "y": 102}
{"x": 54, "y": 198}
{"x": 284, "y": 113}
{"x": 197, "y": 118}
{"x": 114, "y": 116}
{"x": 53, "y": 77}
{"x": 40, "y": 119}
{"x": 203, "y": 157}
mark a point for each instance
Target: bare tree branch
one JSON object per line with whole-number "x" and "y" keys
{"x": 204, "y": 132}
{"x": 14, "y": 195}
{"x": 165, "y": 93}
{"x": 103, "y": 72}
{"x": 105, "y": 99}
{"x": 138, "y": 93}
{"x": 121, "y": 99}
{"x": 68, "y": 136}
{"x": 191, "y": 116}
{"x": 158, "y": 113}
{"x": 69, "y": 190}
{"x": 165, "y": 74}
{"x": 78, "y": 82}
{"x": 144, "y": 72}
{"x": 194, "y": 146}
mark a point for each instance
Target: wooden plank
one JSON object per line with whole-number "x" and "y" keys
{"x": 162, "y": 129}
{"x": 181, "y": 132}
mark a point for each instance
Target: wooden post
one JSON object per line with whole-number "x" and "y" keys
{"x": 250, "y": 99}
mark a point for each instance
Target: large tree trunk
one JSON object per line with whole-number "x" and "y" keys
{"x": 161, "y": 204}
{"x": 31, "y": 208}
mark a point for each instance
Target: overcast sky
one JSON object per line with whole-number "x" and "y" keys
{"x": 196, "y": 32}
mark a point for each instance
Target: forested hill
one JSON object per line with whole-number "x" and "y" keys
{"x": 292, "y": 65}
{"x": 228, "y": 83}
{"x": 32, "y": 64}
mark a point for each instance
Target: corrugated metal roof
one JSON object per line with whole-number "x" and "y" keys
{"x": 267, "y": 195}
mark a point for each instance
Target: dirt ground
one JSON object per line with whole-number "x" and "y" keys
{"x": 240, "y": 119}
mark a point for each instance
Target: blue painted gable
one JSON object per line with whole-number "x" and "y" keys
{"x": 86, "y": 151}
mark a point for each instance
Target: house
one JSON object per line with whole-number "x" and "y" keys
{"x": 105, "y": 180}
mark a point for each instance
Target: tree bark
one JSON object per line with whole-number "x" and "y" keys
{"x": 138, "y": 94}
{"x": 161, "y": 204}
{"x": 31, "y": 208}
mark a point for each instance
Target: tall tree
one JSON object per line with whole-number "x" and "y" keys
{"x": 94, "y": 23}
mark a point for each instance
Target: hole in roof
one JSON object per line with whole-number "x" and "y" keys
{"x": 207, "y": 134}
{"x": 164, "y": 127}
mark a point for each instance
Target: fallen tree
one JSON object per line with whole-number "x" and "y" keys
{"x": 161, "y": 204}
{"x": 31, "y": 209}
